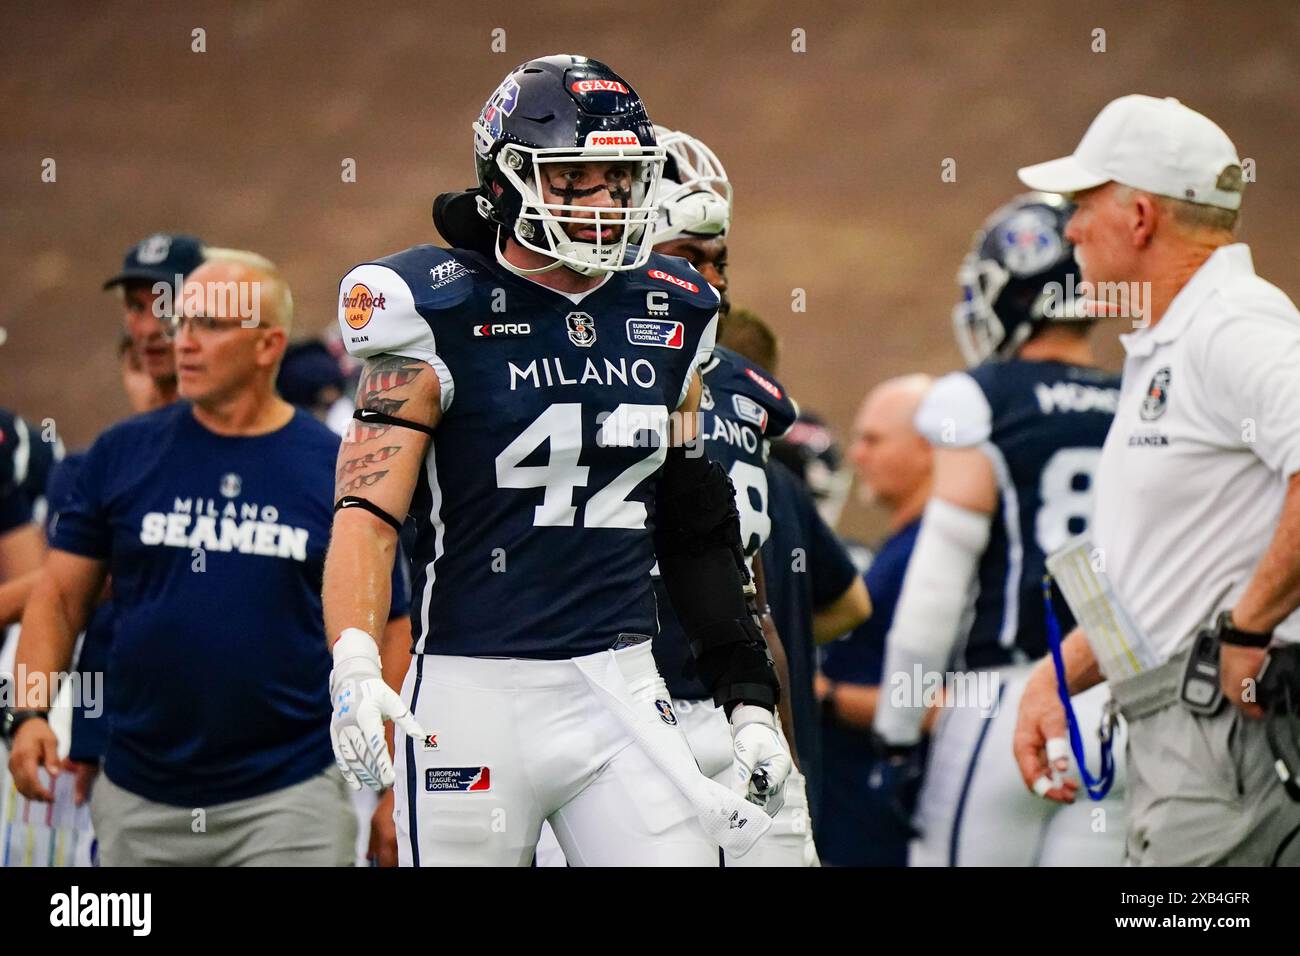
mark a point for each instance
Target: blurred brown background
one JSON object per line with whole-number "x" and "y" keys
{"x": 835, "y": 153}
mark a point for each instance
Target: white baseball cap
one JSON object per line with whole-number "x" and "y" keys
{"x": 1156, "y": 145}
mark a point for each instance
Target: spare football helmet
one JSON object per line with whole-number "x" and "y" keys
{"x": 1019, "y": 274}
{"x": 694, "y": 192}
{"x": 562, "y": 109}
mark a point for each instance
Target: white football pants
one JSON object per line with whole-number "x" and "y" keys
{"x": 974, "y": 809}
{"x": 788, "y": 843}
{"x": 515, "y": 742}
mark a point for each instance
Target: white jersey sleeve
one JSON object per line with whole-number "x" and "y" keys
{"x": 955, "y": 413}
{"x": 377, "y": 315}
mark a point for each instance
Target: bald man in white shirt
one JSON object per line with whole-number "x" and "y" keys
{"x": 1198, "y": 490}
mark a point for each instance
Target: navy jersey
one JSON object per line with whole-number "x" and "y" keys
{"x": 856, "y": 827}
{"x": 26, "y": 460}
{"x": 1042, "y": 425}
{"x": 806, "y": 568}
{"x": 741, "y": 409}
{"x": 218, "y": 667}
{"x": 534, "y": 512}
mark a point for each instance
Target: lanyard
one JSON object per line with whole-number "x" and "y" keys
{"x": 1099, "y": 786}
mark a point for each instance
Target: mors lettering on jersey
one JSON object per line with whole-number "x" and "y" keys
{"x": 204, "y": 523}
{"x": 1075, "y": 397}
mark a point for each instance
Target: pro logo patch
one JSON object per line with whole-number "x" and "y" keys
{"x": 502, "y": 330}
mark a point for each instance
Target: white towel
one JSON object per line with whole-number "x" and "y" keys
{"x": 729, "y": 819}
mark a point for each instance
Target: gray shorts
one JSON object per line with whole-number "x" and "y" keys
{"x": 1203, "y": 792}
{"x": 308, "y": 824}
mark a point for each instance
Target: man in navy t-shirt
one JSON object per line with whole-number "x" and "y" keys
{"x": 861, "y": 823}
{"x": 213, "y": 517}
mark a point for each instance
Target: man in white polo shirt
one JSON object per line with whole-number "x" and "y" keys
{"x": 1198, "y": 492}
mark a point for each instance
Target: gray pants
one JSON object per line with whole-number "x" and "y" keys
{"x": 1203, "y": 792}
{"x": 308, "y": 824}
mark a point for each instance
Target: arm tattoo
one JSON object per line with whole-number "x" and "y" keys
{"x": 381, "y": 377}
{"x": 361, "y": 481}
{"x": 384, "y": 374}
{"x": 368, "y": 459}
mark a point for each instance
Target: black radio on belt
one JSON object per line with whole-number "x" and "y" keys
{"x": 1201, "y": 692}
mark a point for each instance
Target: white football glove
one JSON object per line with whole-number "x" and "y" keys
{"x": 762, "y": 761}
{"x": 362, "y": 702}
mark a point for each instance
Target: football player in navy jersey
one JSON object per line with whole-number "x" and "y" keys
{"x": 1016, "y": 439}
{"x": 520, "y": 406}
{"x": 743, "y": 407}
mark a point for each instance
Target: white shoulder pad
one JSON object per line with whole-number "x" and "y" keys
{"x": 377, "y": 315}
{"x": 955, "y": 413}
{"x": 708, "y": 338}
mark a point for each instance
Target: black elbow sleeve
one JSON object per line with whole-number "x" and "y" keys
{"x": 702, "y": 564}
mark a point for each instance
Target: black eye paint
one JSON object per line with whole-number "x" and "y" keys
{"x": 622, "y": 196}
{"x": 573, "y": 192}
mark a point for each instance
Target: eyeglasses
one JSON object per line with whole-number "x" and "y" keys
{"x": 198, "y": 324}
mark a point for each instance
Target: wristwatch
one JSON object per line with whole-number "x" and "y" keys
{"x": 11, "y": 720}
{"x": 1228, "y": 633}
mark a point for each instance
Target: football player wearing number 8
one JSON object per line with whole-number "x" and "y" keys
{"x": 1016, "y": 439}
{"x": 742, "y": 408}
{"x": 519, "y": 407}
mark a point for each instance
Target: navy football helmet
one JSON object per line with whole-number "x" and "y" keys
{"x": 1019, "y": 274}
{"x": 558, "y": 109}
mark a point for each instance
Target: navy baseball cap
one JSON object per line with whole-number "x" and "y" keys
{"x": 159, "y": 258}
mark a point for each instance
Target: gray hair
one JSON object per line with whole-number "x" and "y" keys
{"x": 1196, "y": 217}
{"x": 274, "y": 289}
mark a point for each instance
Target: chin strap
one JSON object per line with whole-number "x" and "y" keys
{"x": 518, "y": 270}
